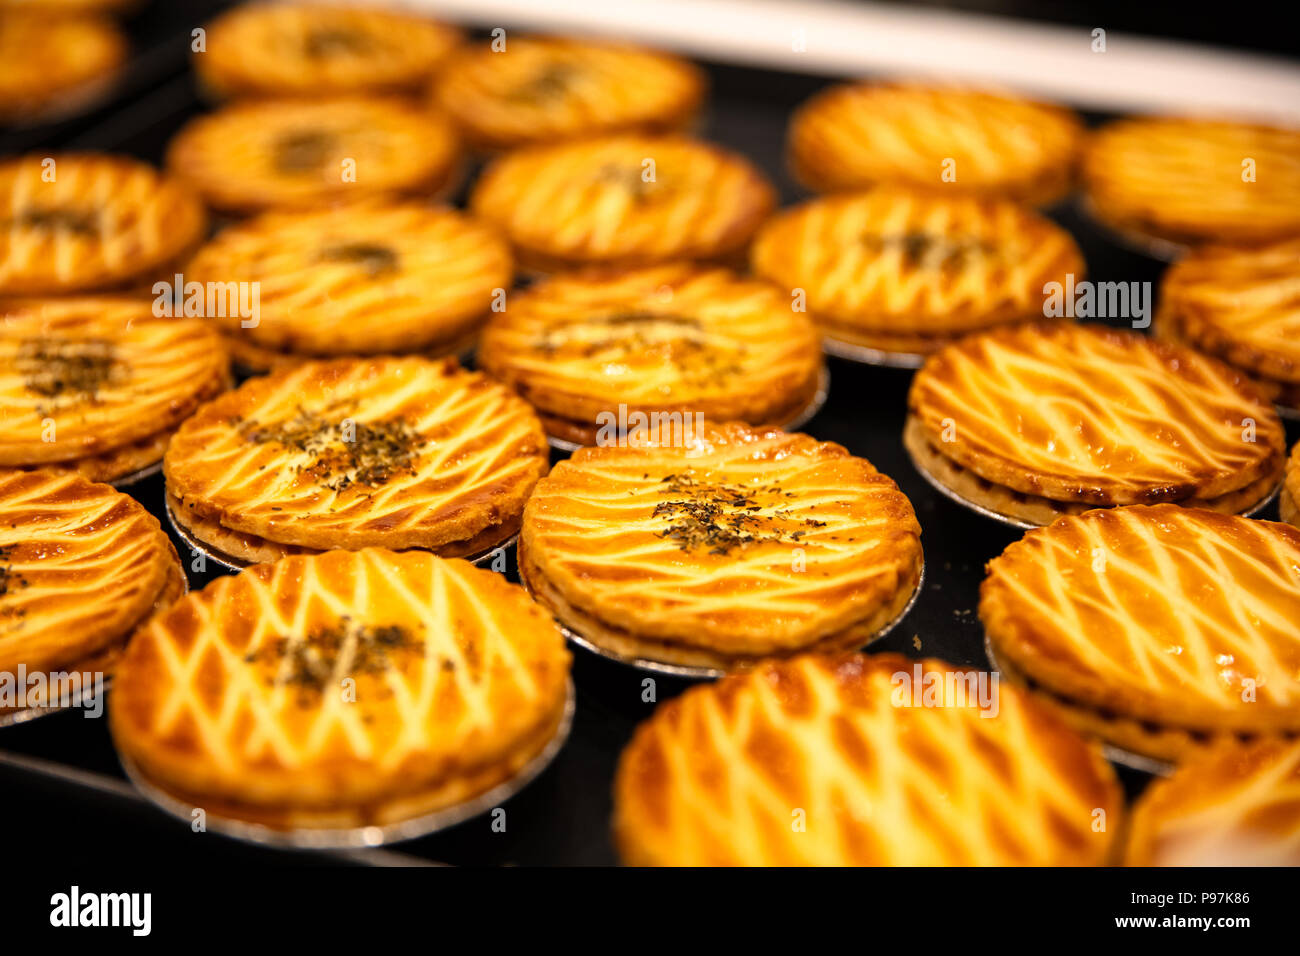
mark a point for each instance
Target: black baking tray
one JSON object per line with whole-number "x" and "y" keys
{"x": 63, "y": 766}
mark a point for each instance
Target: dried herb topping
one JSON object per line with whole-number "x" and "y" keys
{"x": 71, "y": 368}
{"x": 720, "y": 518}
{"x": 329, "y": 654}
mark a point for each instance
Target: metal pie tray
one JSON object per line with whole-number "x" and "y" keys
{"x": 804, "y": 415}
{"x": 366, "y": 836}
{"x": 865, "y": 355}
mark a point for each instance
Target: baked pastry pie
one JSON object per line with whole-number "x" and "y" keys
{"x": 712, "y": 546}
{"x": 97, "y": 386}
{"x": 838, "y": 760}
{"x": 542, "y": 89}
{"x": 904, "y": 273}
{"x": 301, "y": 154}
{"x": 1187, "y": 181}
{"x": 76, "y": 222}
{"x": 1040, "y": 420}
{"x": 1157, "y": 629}
{"x": 346, "y": 689}
{"x": 314, "y": 50}
{"x": 624, "y": 200}
{"x": 1289, "y": 497}
{"x": 53, "y": 66}
{"x": 948, "y": 139}
{"x": 1243, "y": 307}
{"x": 47, "y": 7}
{"x": 353, "y": 453}
{"x": 365, "y": 278}
{"x": 671, "y": 338}
{"x": 81, "y": 566}
{"x": 1235, "y": 805}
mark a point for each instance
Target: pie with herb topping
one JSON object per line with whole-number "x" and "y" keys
{"x": 1158, "y": 629}
{"x": 837, "y": 760}
{"x": 1193, "y": 180}
{"x": 1243, "y": 307}
{"x": 945, "y": 139}
{"x": 302, "y": 154}
{"x": 1039, "y": 420}
{"x": 713, "y": 547}
{"x": 54, "y": 66}
{"x": 624, "y": 200}
{"x": 543, "y": 89}
{"x": 97, "y": 385}
{"x": 1235, "y": 805}
{"x": 74, "y": 222}
{"x": 906, "y": 272}
{"x": 353, "y": 453}
{"x": 367, "y": 278}
{"x": 663, "y": 339}
{"x": 81, "y": 566}
{"x": 351, "y": 688}
{"x": 314, "y": 50}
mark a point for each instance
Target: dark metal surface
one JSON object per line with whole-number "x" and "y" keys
{"x": 563, "y": 816}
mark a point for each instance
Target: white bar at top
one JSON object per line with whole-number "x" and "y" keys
{"x": 1134, "y": 74}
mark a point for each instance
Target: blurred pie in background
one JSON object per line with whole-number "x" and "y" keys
{"x": 1235, "y": 805}
{"x": 76, "y": 222}
{"x": 97, "y": 385}
{"x": 81, "y": 567}
{"x": 296, "y": 154}
{"x": 905, "y": 272}
{"x": 1188, "y": 181}
{"x": 54, "y": 66}
{"x": 1289, "y": 499}
{"x": 1036, "y": 421}
{"x": 950, "y": 140}
{"x": 538, "y": 90}
{"x": 1241, "y": 306}
{"x": 711, "y": 546}
{"x": 367, "y": 278}
{"x": 1157, "y": 629}
{"x": 353, "y": 453}
{"x": 624, "y": 200}
{"x": 354, "y": 689}
{"x": 320, "y": 50}
{"x": 662, "y": 338}
{"x": 834, "y": 760}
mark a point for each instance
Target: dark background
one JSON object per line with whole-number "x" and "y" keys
{"x": 562, "y": 818}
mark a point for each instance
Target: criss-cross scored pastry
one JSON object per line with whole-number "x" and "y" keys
{"x": 81, "y": 565}
{"x": 624, "y": 200}
{"x": 301, "y": 154}
{"x": 1155, "y": 628}
{"x": 543, "y": 89}
{"x": 362, "y": 279}
{"x": 97, "y": 385}
{"x": 1191, "y": 181}
{"x": 943, "y": 138}
{"x": 906, "y": 272}
{"x": 1234, "y": 805}
{"x": 74, "y": 222}
{"x": 843, "y": 760}
{"x": 585, "y": 348}
{"x": 343, "y": 689}
{"x": 1038, "y": 420}
{"x": 313, "y": 50}
{"x": 1242, "y": 306}
{"x": 352, "y": 453}
{"x": 1289, "y": 498}
{"x": 710, "y": 546}
{"x": 51, "y": 66}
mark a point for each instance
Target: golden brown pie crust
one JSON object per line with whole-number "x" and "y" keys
{"x": 1087, "y": 414}
{"x": 457, "y": 680}
{"x": 859, "y": 135}
{"x": 544, "y": 89}
{"x": 813, "y": 761}
{"x": 54, "y": 66}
